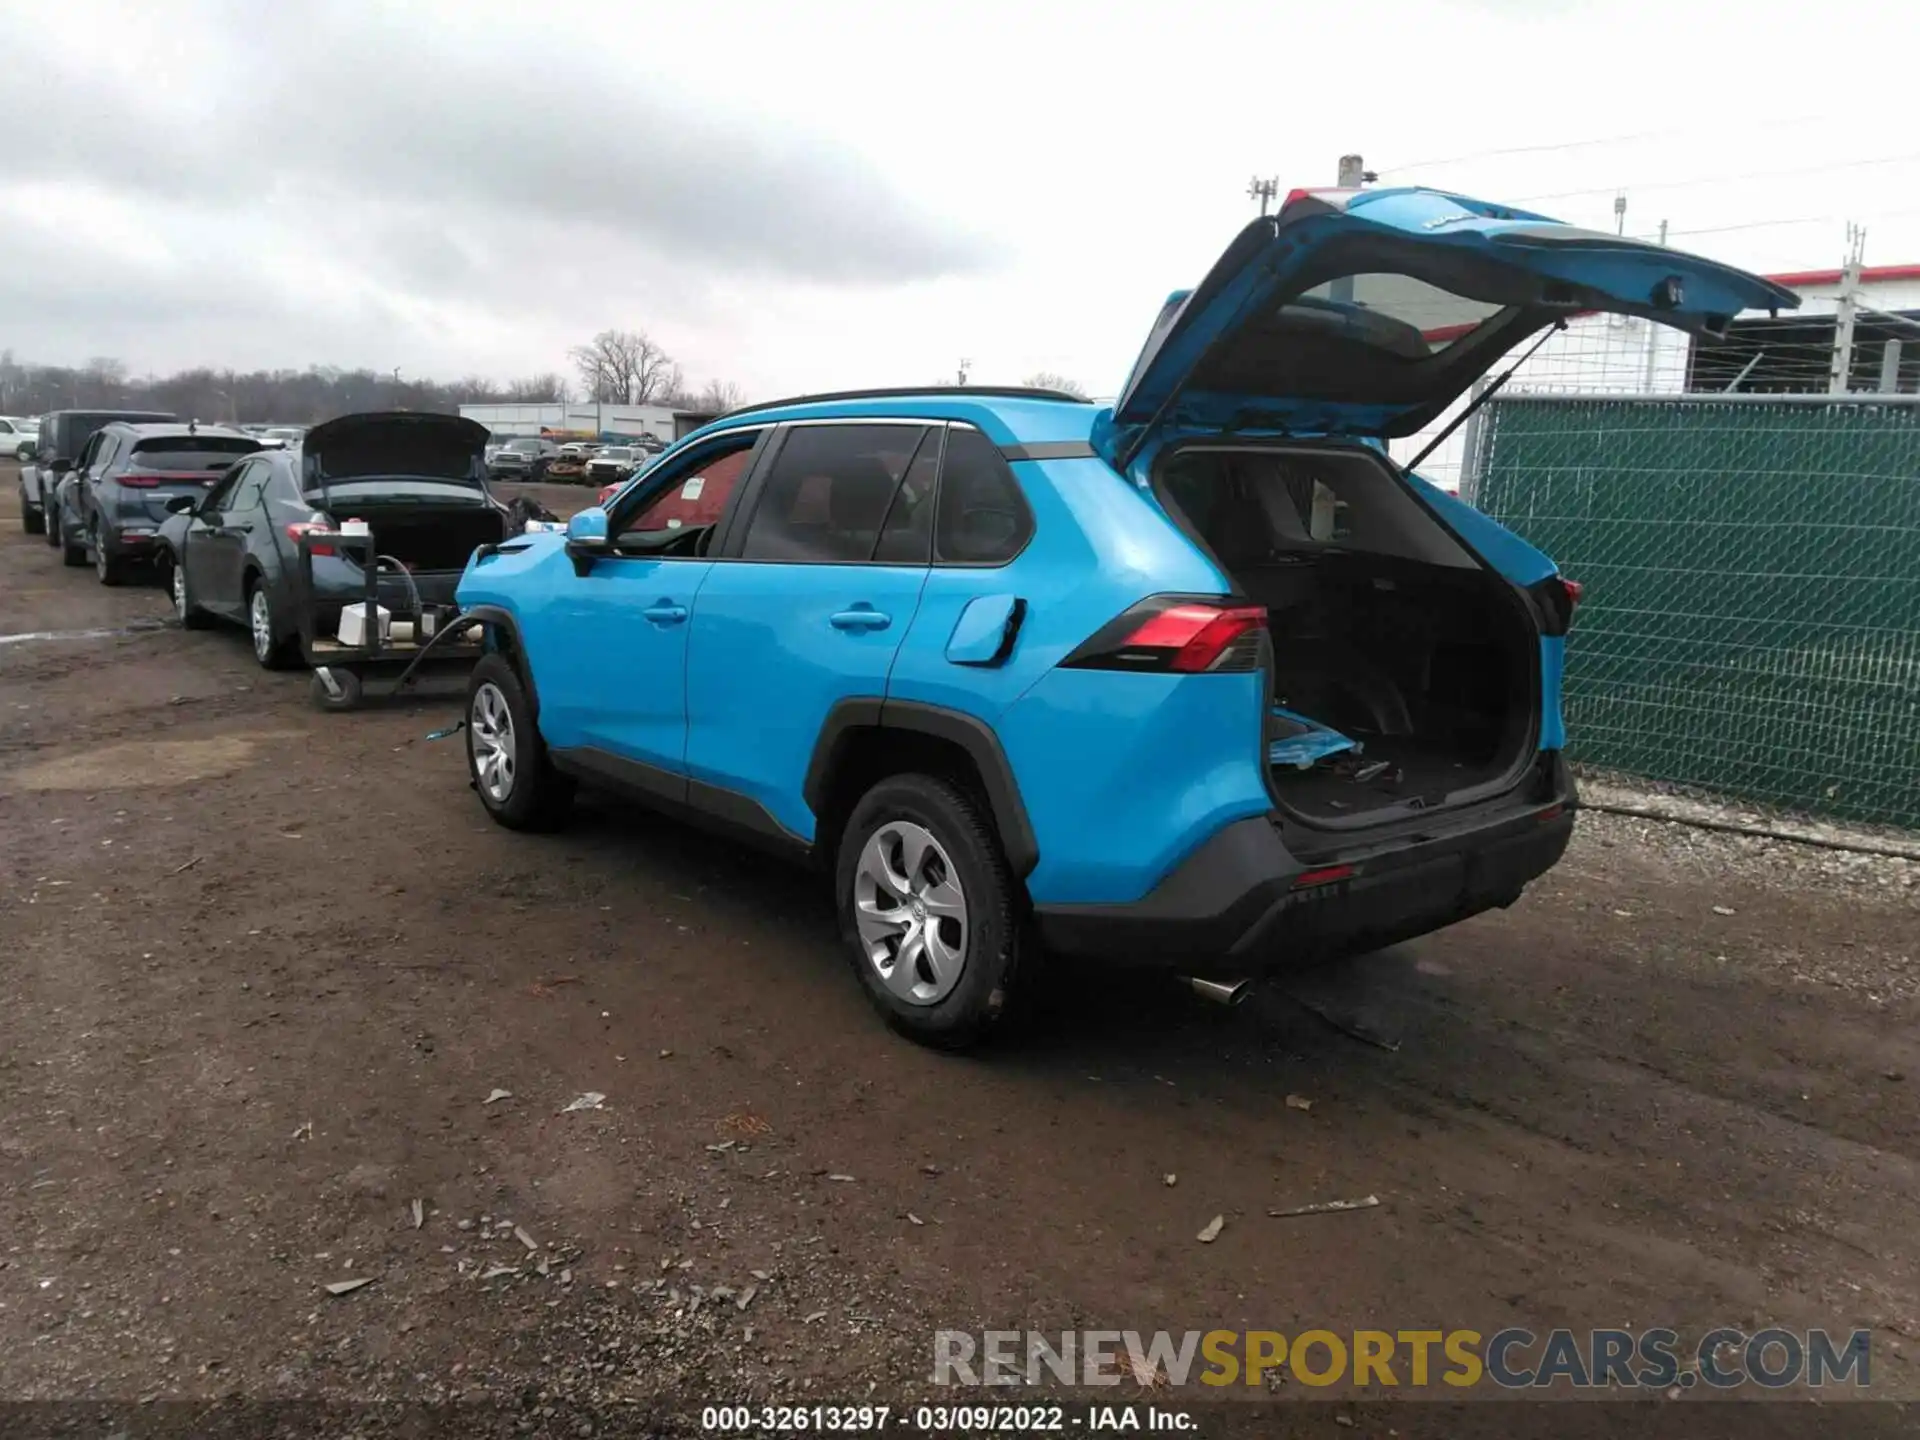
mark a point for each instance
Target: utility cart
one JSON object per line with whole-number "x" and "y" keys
{"x": 392, "y": 647}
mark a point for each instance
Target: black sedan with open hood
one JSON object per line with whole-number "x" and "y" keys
{"x": 417, "y": 480}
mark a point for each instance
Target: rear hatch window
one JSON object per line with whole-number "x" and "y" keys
{"x": 191, "y": 457}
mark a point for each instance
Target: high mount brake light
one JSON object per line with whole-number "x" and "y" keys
{"x": 1181, "y": 634}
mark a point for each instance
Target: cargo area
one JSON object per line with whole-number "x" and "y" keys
{"x": 428, "y": 538}
{"x": 1404, "y": 672}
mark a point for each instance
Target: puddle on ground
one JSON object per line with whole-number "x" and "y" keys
{"x": 137, "y": 627}
{"x": 143, "y": 763}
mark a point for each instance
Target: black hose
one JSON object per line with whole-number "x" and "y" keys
{"x": 455, "y": 626}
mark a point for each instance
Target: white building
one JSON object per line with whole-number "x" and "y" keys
{"x": 1617, "y": 355}
{"x": 587, "y": 420}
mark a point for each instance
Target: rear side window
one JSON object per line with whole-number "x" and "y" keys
{"x": 193, "y": 454}
{"x": 907, "y": 536}
{"x": 829, "y": 491}
{"x": 983, "y": 517}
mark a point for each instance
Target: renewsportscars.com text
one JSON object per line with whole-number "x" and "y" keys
{"x": 1512, "y": 1359}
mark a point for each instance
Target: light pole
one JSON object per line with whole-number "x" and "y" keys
{"x": 1263, "y": 191}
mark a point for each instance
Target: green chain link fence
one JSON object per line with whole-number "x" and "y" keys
{"x": 1751, "y": 616}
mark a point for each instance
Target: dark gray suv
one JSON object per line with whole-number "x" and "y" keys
{"x": 63, "y": 435}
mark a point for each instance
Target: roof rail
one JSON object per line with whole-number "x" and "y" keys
{"x": 907, "y": 392}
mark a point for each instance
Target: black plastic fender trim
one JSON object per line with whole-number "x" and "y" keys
{"x": 970, "y": 733}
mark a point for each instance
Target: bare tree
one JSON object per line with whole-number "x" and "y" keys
{"x": 1048, "y": 380}
{"x": 719, "y": 397}
{"x": 626, "y": 367}
{"x": 536, "y": 389}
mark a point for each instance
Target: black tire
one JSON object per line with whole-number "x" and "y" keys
{"x": 538, "y": 797}
{"x": 278, "y": 654}
{"x": 190, "y": 615}
{"x": 73, "y": 554}
{"x": 345, "y": 682}
{"x": 998, "y": 949}
{"x": 108, "y": 568}
{"x": 33, "y": 521}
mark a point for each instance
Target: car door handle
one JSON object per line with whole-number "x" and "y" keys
{"x": 861, "y": 617}
{"x": 665, "y": 612}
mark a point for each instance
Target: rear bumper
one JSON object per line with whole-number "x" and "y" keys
{"x": 121, "y": 546}
{"x": 1237, "y": 907}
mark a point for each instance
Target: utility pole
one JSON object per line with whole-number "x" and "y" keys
{"x": 1620, "y": 214}
{"x": 1263, "y": 190}
{"x": 1653, "y": 340}
{"x": 1840, "y": 379}
{"x": 1353, "y": 174}
{"x": 964, "y": 364}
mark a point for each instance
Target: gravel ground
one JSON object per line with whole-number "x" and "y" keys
{"x": 264, "y": 967}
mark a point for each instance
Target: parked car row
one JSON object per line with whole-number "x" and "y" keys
{"x": 539, "y": 458}
{"x": 216, "y": 515}
{"x": 1202, "y": 680}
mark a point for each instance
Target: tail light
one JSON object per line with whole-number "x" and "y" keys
{"x": 1184, "y": 634}
{"x": 142, "y": 480}
{"x": 1554, "y": 599}
{"x": 307, "y": 527}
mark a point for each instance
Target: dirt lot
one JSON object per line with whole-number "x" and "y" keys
{"x": 261, "y": 968}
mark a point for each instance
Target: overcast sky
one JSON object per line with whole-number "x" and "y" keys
{"x": 801, "y": 197}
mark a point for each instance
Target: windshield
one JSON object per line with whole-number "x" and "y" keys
{"x": 615, "y": 452}
{"x": 525, "y": 447}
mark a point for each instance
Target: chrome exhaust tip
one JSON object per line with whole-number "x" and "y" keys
{"x": 1221, "y": 992}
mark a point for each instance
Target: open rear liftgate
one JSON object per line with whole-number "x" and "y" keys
{"x": 435, "y": 638}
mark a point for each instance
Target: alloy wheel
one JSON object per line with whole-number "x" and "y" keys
{"x": 910, "y": 912}
{"x": 260, "y": 618}
{"x": 490, "y": 723}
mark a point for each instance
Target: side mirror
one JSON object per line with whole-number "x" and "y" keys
{"x": 587, "y": 539}
{"x": 182, "y": 504}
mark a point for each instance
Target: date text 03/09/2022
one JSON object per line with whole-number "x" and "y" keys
{"x": 943, "y": 1419}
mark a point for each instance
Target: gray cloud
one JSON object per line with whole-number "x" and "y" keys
{"x": 424, "y": 168}
{"x": 336, "y": 101}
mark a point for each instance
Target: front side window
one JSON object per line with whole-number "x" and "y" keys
{"x": 829, "y": 491}
{"x": 697, "y": 497}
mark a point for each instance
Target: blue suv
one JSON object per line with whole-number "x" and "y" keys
{"x": 1202, "y": 681}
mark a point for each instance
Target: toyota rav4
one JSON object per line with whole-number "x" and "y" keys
{"x": 1203, "y": 680}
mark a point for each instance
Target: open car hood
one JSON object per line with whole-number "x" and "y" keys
{"x": 1368, "y": 312}
{"x": 397, "y": 443}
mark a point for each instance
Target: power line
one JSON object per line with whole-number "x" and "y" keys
{"x": 1825, "y": 167}
{"x": 1772, "y": 122}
